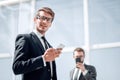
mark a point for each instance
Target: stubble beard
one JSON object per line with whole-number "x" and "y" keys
{"x": 41, "y": 31}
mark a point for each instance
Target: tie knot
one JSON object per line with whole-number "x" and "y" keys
{"x": 45, "y": 42}
{"x": 43, "y": 37}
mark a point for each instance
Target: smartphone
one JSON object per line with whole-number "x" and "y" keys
{"x": 78, "y": 60}
{"x": 60, "y": 46}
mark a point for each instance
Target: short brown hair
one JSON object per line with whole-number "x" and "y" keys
{"x": 79, "y": 50}
{"x": 47, "y": 10}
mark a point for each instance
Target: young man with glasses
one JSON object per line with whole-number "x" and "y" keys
{"x": 34, "y": 56}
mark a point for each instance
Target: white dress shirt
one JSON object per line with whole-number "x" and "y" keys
{"x": 39, "y": 35}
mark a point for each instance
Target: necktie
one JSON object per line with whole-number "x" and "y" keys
{"x": 49, "y": 64}
{"x": 45, "y": 42}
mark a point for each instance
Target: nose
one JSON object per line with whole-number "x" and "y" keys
{"x": 45, "y": 21}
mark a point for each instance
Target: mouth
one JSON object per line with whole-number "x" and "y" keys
{"x": 43, "y": 26}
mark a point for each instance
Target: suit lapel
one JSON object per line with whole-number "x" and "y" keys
{"x": 37, "y": 41}
{"x": 72, "y": 73}
{"x": 80, "y": 77}
{"x": 48, "y": 44}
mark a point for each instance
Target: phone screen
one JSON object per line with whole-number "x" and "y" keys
{"x": 60, "y": 46}
{"x": 78, "y": 60}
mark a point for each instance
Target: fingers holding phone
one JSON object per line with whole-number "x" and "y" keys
{"x": 59, "y": 49}
{"x": 49, "y": 54}
{"x": 79, "y": 64}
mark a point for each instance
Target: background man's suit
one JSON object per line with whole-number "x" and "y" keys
{"x": 91, "y": 74}
{"x": 28, "y": 60}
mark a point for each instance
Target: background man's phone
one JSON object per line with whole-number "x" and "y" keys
{"x": 78, "y": 60}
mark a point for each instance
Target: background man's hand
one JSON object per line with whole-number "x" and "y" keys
{"x": 80, "y": 66}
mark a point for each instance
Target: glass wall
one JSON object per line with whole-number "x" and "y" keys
{"x": 104, "y": 21}
{"x": 8, "y": 30}
{"x": 15, "y": 18}
{"x": 104, "y": 25}
{"x": 106, "y": 62}
{"x": 9, "y": 22}
{"x": 67, "y": 28}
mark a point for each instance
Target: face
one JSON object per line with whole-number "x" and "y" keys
{"x": 79, "y": 55}
{"x": 43, "y": 22}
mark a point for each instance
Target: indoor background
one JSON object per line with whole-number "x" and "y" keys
{"x": 91, "y": 24}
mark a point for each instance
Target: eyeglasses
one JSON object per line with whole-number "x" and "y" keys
{"x": 45, "y": 18}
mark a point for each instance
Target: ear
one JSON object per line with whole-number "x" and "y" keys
{"x": 34, "y": 19}
{"x": 73, "y": 56}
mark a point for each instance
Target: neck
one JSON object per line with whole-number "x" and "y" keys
{"x": 41, "y": 32}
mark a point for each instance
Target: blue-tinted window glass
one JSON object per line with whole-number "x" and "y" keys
{"x": 104, "y": 21}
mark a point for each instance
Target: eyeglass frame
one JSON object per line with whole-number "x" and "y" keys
{"x": 44, "y": 18}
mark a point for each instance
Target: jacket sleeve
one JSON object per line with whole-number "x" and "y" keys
{"x": 91, "y": 74}
{"x": 22, "y": 62}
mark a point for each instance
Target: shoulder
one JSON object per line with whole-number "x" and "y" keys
{"x": 22, "y": 37}
{"x": 72, "y": 70}
{"x": 90, "y": 67}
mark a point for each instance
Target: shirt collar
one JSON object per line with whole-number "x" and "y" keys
{"x": 37, "y": 33}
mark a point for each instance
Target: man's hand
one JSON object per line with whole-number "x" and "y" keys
{"x": 58, "y": 52}
{"x": 80, "y": 66}
{"x": 51, "y": 53}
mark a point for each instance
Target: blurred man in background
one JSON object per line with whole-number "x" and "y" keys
{"x": 82, "y": 71}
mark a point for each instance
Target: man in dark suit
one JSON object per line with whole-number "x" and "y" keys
{"x": 34, "y": 56}
{"x": 82, "y": 71}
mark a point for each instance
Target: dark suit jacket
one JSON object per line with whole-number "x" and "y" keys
{"x": 91, "y": 75}
{"x": 28, "y": 60}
